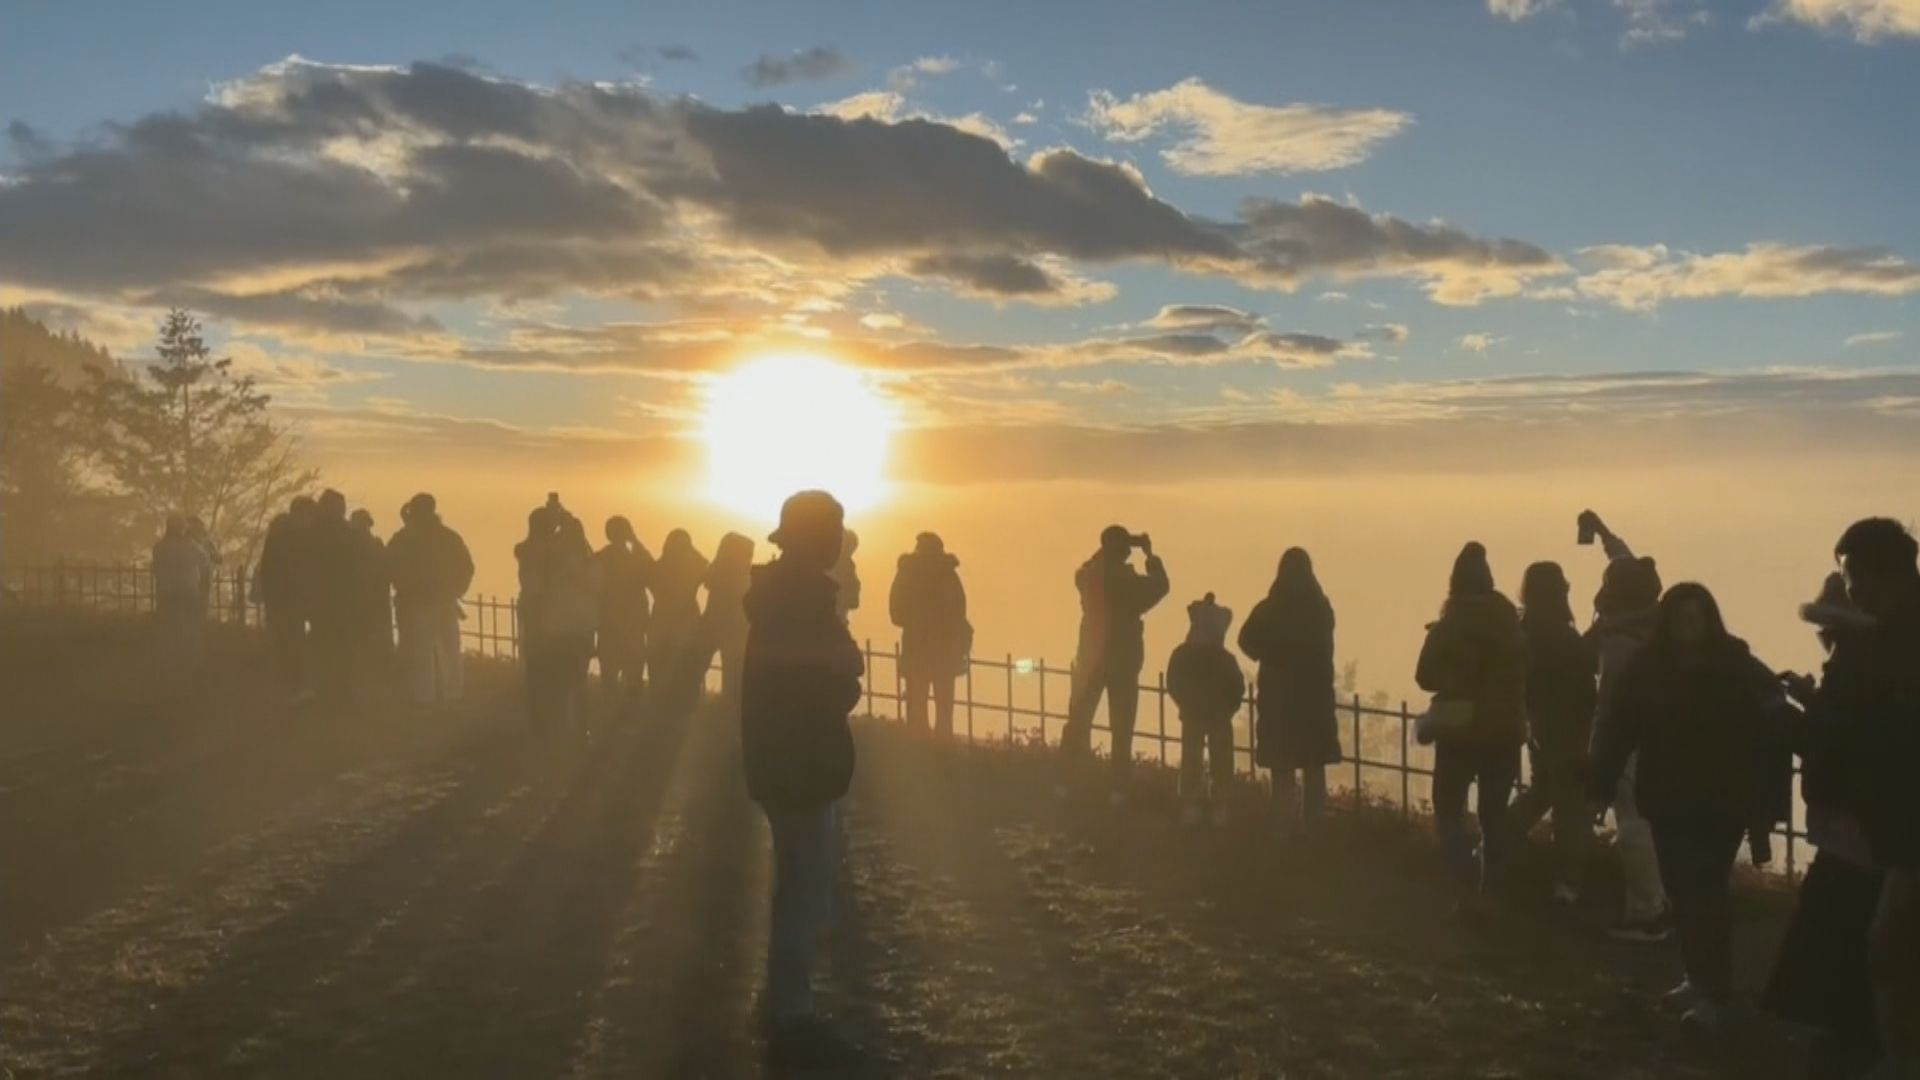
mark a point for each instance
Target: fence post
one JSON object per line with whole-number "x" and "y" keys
{"x": 1357, "y": 755}
{"x": 899, "y": 687}
{"x": 1160, "y": 694}
{"x": 1043, "y": 702}
{"x": 969, "y": 696}
{"x": 1009, "y": 674}
{"x": 869, "y": 679}
{"x": 1406, "y": 769}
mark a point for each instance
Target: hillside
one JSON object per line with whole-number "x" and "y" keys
{"x": 213, "y": 884}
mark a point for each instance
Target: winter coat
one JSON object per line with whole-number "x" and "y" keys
{"x": 284, "y": 563}
{"x": 1702, "y": 735}
{"x": 929, "y": 605}
{"x": 1561, "y": 694}
{"x": 1291, "y": 638}
{"x": 801, "y": 679}
{"x": 570, "y": 604}
{"x": 624, "y": 607}
{"x": 373, "y": 595}
{"x": 429, "y": 563}
{"x": 181, "y": 572}
{"x": 1476, "y": 652}
{"x": 1615, "y": 641}
{"x": 1114, "y": 601}
{"x": 1205, "y": 681}
{"x": 333, "y": 576}
{"x": 675, "y": 585}
{"x": 1864, "y": 734}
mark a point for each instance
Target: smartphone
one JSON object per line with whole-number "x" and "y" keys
{"x": 1588, "y": 531}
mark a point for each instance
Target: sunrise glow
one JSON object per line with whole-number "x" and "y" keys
{"x": 780, "y": 424}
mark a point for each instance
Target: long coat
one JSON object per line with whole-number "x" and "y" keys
{"x": 929, "y": 605}
{"x": 1291, "y": 638}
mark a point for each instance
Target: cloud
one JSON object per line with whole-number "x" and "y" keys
{"x": 1098, "y": 388}
{"x": 1024, "y": 118}
{"x": 1390, "y": 333}
{"x": 1478, "y": 342}
{"x": 1204, "y": 317}
{"x": 1287, "y": 242}
{"x": 1867, "y": 21}
{"x": 1517, "y": 10}
{"x": 1655, "y": 22}
{"x": 908, "y": 76}
{"x": 645, "y": 55}
{"x": 1010, "y": 277}
{"x": 800, "y": 65}
{"x": 1641, "y": 278}
{"x": 1221, "y": 136}
{"x": 1875, "y": 337}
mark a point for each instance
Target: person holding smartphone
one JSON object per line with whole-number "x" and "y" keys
{"x": 1114, "y": 601}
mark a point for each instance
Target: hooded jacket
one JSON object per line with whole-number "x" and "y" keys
{"x": 1476, "y": 652}
{"x": 801, "y": 679}
{"x": 1114, "y": 601}
{"x": 1703, "y": 734}
{"x": 929, "y": 605}
{"x": 1203, "y": 678}
{"x": 1865, "y": 733}
{"x": 429, "y": 563}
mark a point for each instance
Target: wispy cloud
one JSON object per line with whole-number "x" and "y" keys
{"x": 1218, "y": 135}
{"x": 1656, "y": 22}
{"x": 1641, "y": 278}
{"x": 1516, "y": 10}
{"x": 1865, "y": 21}
{"x": 1875, "y": 337}
{"x": 1478, "y": 342}
{"x": 801, "y": 65}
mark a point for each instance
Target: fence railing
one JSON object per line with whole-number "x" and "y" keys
{"x": 997, "y": 699}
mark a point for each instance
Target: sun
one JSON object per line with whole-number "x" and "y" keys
{"x": 785, "y": 423}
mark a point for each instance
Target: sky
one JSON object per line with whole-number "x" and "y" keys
{"x": 1091, "y": 252}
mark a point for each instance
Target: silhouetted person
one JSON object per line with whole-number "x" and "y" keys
{"x": 1624, "y": 611}
{"x": 373, "y": 601}
{"x": 1821, "y": 977}
{"x": 626, "y": 569}
{"x": 1114, "y": 601}
{"x": 929, "y": 605}
{"x": 1561, "y": 697}
{"x": 723, "y": 626}
{"x": 847, "y": 576}
{"x": 331, "y": 577}
{"x": 570, "y": 613}
{"x": 1290, "y": 635}
{"x": 431, "y": 570}
{"x": 1871, "y": 696}
{"x": 802, "y": 680}
{"x": 677, "y": 576}
{"x": 1474, "y": 663}
{"x": 182, "y": 575}
{"x": 1696, "y": 707}
{"x": 1207, "y": 685}
{"x": 281, "y": 587}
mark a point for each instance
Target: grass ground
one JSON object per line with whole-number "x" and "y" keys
{"x": 199, "y": 882}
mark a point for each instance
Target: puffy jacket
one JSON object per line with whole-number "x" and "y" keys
{"x": 428, "y": 562}
{"x": 801, "y": 679}
{"x": 1114, "y": 601}
{"x": 1291, "y": 638}
{"x": 1476, "y": 652}
{"x": 929, "y": 605}
{"x": 1205, "y": 681}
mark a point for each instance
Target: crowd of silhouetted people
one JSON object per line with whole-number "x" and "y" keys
{"x": 1655, "y": 711}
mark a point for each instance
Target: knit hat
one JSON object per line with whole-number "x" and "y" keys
{"x": 1471, "y": 574}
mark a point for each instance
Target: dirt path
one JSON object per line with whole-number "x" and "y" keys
{"x": 236, "y": 889}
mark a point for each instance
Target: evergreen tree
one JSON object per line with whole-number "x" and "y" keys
{"x": 193, "y": 438}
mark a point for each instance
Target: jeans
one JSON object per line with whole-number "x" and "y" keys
{"x": 1646, "y": 896}
{"x": 918, "y": 688}
{"x": 1121, "y": 684}
{"x": 1557, "y": 789}
{"x": 1696, "y": 862}
{"x": 1206, "y": 758}
{"x": 1895, "y": 961}
{"x": 803, "y": 871}
{"x": 430, "y": 663}
{"x": 1495, "y": 767}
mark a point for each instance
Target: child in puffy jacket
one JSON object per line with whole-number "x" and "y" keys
{"x": 1206, "y": 683}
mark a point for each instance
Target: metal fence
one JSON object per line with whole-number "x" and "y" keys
{"x": 998, "y": 700}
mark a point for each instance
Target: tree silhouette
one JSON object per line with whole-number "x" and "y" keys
{"x": 193, "y": 438}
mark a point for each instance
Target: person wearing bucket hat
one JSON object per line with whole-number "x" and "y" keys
{"x": 801, "y": 679}
{"x": 1205, "y": 681}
